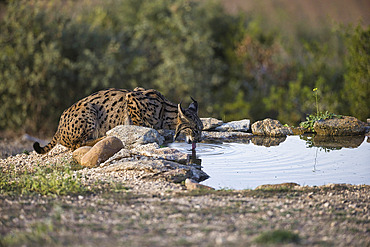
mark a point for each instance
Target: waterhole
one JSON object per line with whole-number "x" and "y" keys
{"x": 303, "y": 160}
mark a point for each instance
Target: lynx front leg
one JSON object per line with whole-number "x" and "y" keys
{"x": 133, "y": 115}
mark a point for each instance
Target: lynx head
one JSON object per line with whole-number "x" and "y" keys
{"x": 189, "y": 123}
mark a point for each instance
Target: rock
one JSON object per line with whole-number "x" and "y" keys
{"x": 241, "y": 125}
{"x": 159, "y": 170}
{"x": 79, "y": 153}
{"x": 101, "y": 151}
{"x": 299, "y": 130}
{"x": 121, "y": 154}
{"x": 212, "y": 136}
{"x": 155, "y": 163}
{"x": 193, "y": 185}
{"x": 270, "y": 127}
{"x": 167, "y": 134}
{"x": 345, "y": 126}
{"x": 153, "y": 150}
{"x": 132, "y": 135}
{"x": 211, "y": 123}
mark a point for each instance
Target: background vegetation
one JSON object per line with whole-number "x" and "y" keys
{"x": 237, "y": 65}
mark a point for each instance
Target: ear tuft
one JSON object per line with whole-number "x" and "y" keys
{"x": 194, "y": 105}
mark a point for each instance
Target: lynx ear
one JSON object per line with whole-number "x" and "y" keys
{"x": 181, "y": 111}
{"x": 194, "y": 105}
{"x": 183, "y": 118}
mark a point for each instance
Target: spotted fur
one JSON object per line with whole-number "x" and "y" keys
{"x": 87, "y": 121}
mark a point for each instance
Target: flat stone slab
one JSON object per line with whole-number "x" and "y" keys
{"x": 155, "y": 151}
{"x": 157, "y": 169}
{"x": 209, "y": 136}
{"x": 241, "y": 125}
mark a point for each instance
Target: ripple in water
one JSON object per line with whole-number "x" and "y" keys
{"x": 245, "y": 166}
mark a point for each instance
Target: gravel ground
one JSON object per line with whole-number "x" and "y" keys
{"x": 158, "y": 213}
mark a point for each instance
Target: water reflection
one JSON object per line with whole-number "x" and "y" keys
{"x": 193, "y": 159}
{"x": 267, "y": 141}
{"x": 326, "y": 142}
{"x": 333, "y": 142}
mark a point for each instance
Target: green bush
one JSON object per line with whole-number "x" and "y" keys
{"x": 53, "y": 53}
{"x": 48, "y": 61}
{"x": 51, "y": 57}
{"x": 357, "y": 76}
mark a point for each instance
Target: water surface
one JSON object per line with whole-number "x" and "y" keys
{"x": 306, "y": 162}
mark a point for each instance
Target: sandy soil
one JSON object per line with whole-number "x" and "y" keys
{"x": 158, "y": 213}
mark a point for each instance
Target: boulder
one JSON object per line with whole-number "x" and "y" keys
{"x": 241, "y": 125}
{"x": 132, "y": 135}
{"x": 79, "y": 153}
{"x": 101, "y": 151}
{"x": 211, "y": 123}
{"x": 270, "y": 127}
{"x": 345, "y": 126}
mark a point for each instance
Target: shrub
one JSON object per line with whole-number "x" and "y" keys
{"x": 47, "y": 62}
{"x": 357, "y": 76}
{"x": 53, "y": 53}
{"x": 51, "y": 57}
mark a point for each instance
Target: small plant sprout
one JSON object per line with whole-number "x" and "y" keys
{"x": 312, "y": 118}
{"x": 317, "y": 101}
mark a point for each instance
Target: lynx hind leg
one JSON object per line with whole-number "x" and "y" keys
{"x": 90, "y": 142}
{"x": 81, "y": 127}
